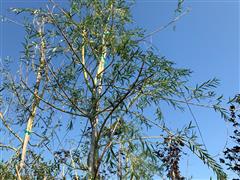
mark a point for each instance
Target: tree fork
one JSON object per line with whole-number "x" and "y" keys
{"x": 94, "y": 151}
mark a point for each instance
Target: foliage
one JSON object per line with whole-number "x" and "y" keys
{"x": 169, "y": 154}
{"x": 5, "y": 173}
{"x": 231, "y": 155}
{"x": 85, "y": 75}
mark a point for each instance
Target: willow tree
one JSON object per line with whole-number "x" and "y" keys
{"x": 84, "y": 73}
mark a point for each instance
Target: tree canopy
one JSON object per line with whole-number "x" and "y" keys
{"x": 84, "y": 73}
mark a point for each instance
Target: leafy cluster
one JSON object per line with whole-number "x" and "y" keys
{"x": 232, "y": 155}
{"x": 170, "y": 155}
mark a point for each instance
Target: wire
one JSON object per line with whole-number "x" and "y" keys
{"x": 225, "y": 144}
{"x": 198, "y": 127}
{"x": 194, "y": 118}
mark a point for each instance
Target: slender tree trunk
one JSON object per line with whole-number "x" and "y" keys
{"x": 36, "y": 100}
{"x": 94, "y": 151}
{"x": 93, "y": 158}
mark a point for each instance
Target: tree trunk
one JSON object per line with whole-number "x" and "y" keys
{"x": 36, "y": 100}
{"x": 93, "y": 154}
{"x": 94, "y": 151}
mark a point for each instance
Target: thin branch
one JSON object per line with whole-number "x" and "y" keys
{"x": 18, "y": 173}
{"x": 131, "y": 88}
{"x": 117, "y": 122}
{"x": 8, "y": 147}
{"x": 6, "y": 19}
{"x": 71, "y": 47}
{"x": 9, "y": 128}
{"x": 64, "y": 92}
{"x": 50, "y": 104}
{"x": 112, "y": 81}
{"x": 84, "y": 63}
{"x": 165, "y": 26}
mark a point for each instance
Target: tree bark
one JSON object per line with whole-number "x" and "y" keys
{"x": 93, "y": 158}
{"x": 36, "y": 100}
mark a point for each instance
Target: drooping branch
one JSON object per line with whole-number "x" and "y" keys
{"x": 8, "y": 147}
{"x": 197, "y": 150}
{"x": 50, "y": 104}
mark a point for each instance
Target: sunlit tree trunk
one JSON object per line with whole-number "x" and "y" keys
{"x": 36, "y": 100}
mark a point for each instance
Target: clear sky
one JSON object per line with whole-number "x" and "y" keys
{"x": 206, "y": 40}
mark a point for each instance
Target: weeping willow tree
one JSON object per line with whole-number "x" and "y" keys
{"x": 77, "y": 107}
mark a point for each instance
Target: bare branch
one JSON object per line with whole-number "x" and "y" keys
{"x": 165, "y": 26}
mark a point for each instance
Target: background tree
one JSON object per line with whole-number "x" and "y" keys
{"x": 85, "y": 74}
{"x": 231, "y": 155}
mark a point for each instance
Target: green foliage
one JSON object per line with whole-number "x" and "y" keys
{"x": 5, "y": 172}
{"x": 207, "y": 159}
{"x": 97, "y": 84}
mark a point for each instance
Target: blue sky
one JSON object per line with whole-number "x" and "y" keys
{"x": 206, "y": 40}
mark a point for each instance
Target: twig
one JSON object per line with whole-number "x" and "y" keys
{"x": 9, "y": 128}
{"x": 50, "y": 104}
{"x": 71, "y": 47}
{"x": 64, "y": 92}
{"x": 165, "y": 26}
{"x": 4, "y": 18}
{"x": 8, "y": 147}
